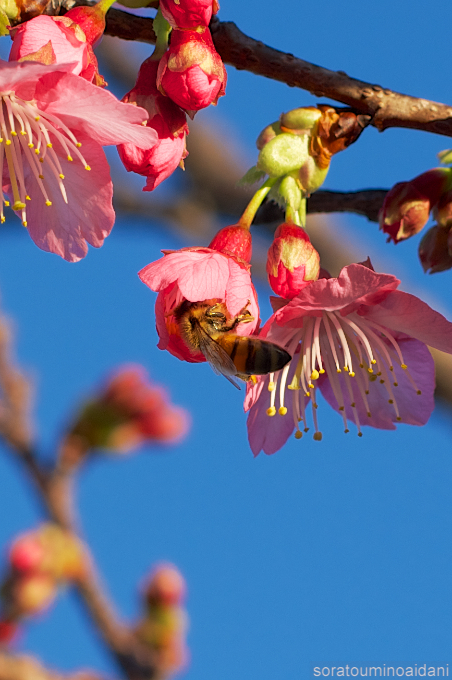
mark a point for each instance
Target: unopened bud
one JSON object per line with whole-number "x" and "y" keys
{"x": 233, "y": 240}
{"x": 267, "y": 134}
{"x": 27, "y": 553}
{"x": 407, "y": 205}
{"x": 8, "y": 631}
{"x": 303, "y": 118}
{"x": 166, "y": 585}
{"x": 292, "y": 261}
{"x": 33, "y": 593}
{"x": 435, "y": 252}
{"x": 283, "y": 154}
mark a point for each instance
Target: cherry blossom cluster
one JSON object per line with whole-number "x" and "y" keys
{"x": 55, "y": 117}
{"x": 40, "y": 562}
{"x": 355, "y": 338}
{"x": 127, "y": 413}
{"x": 164, "y": 622}
{"x": 406, "y": 210}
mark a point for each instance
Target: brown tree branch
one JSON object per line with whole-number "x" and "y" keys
{"x": 386, "y": 107}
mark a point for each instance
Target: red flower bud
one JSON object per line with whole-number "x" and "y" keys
{"x": 27, "y": 553}
{"x": 8, "y": 630}
{"x": 166, "y": 118}
{"x": 166, "y": 586}
{"x": 435, "y": 250}
{"x": 292, "y": 261}
{"x": 407, "y": 205}
{"x": 188, "y": 13}
{"x": 191, "y": 72}
{"x": 233, "y": 240}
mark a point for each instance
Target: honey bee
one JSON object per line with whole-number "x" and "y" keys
{"x": 209, "y": 328}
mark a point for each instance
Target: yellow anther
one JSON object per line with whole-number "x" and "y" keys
{"x": 294, "y": 384}
{"x": 391, "y": 368}
{"x": 23, "y": 133}
{"x": 61, "y": 176}
{"x": 315, "y": 375}
{"x": 352, "y": 374}
{"x": 307, "y": 394}
{"x": 322, "y": 371}
{"x": 25, "y": 223}
{"x": 366, "y": 391}
{"x": 315, "y": 405}
{"x": 41, "y": 160}
{"x": 13, "y": 133}
{"x": 390, "y": 401}
{"x": 311, "y": 385}
{"x": 369, "y": 414}
{"x": 361, "y": 365}
{"x": 379, "y": 373}
{"x": 3, "y": 219}
{"x": 49, "y": 145}
{"x": 7, "y": 203}
{"x": 37, "y": 117}
{"x": 78, "y": 145}
{"x": 398, "y": 419}
{"x": 30, "y": 145}
{"x": 271, "y": 411}
{"x": 1, "y": 140}
{"x": 360, "y": 434}
{"x": 396, "y": 384}
{"x": 70, "y": 158}
{"x": 87, "y": 167}
{"x": 18, "y": 205}
{"x": 8, "y": 142}
{"x": 282, "y": 410}
{"x": 298, "y": 434}
{"x": 346, "y": 368}
{"x": 251, "y": 378}
{"x": 341, "y": 408}
{"x": 404, "y": 366}
{"x": 338, "y": 370}
{"x": 317, "y": 436}
{"x": 48, "y": 202}
{"x": 370, "y": 369}
{"x": 346, "y": 431}
{"x": 418, "y": 392}
{"x": 271, "y": 386}
{"x": 37, "y": 152}
{"x": 373, "y": 361}
{"x": 353, "y": 405}
{"x": 41, "y": 176}
{"x": 372, "y": 378}
{"x": 306, "y": 429}
{"x": 382, "y": 381}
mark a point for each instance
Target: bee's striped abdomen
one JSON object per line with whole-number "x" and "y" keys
{"x": 252, "y": 356}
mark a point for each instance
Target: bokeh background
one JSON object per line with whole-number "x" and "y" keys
{"x": 323, "y": 554}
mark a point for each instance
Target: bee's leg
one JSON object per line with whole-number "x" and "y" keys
{"x": 245, "y": 315}
{"x": 247, "y": 378}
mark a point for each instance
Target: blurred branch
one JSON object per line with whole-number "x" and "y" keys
{"x": 28, "y": 668}
{"x": 56, "y": 490}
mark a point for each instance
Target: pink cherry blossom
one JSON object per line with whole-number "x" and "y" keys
{"x": 169, "y": 122}
{"x": 198, "y": 274}
{"x": 55, "y": 40}
{"x": 359, "y": 341}
{"x": 53, "y": 126}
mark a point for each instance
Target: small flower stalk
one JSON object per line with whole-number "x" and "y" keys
{"x": 164, "y": 623}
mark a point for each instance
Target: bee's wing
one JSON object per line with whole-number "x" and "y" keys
{"x": 217, "y": 357}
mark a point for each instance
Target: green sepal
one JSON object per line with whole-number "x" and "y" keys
{"x": 134, "y": 4}
{"x": 282, "y": 154}
{"x": 275, "y": 196}
{"x": 445, "y": 157}
{"x": 251, "y": 177}
{"x": 4, "y": 23}
{"x": 289, "y": 190}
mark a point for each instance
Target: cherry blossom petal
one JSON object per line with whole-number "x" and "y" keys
{"x": 92, "y": 110}
{"x": 268, "y": 433}
{"x": 407, "y": 314}
{"x": 356, "y": 285}
{"x": 23, "y": 77}
{"x": 413, "y": 408}
{"x": 88, "y": 216}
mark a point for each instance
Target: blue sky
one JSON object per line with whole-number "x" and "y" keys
{"x": 323, "y": 554}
